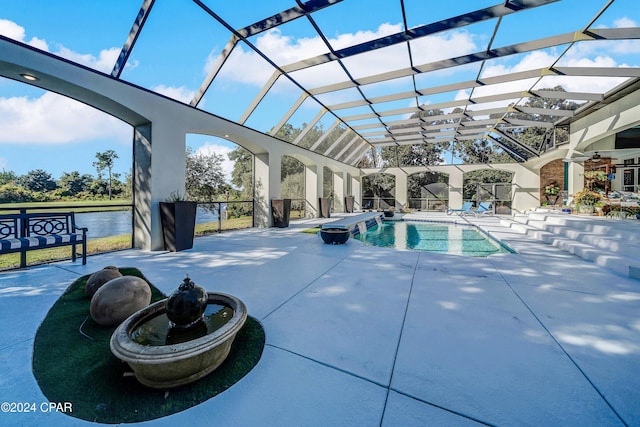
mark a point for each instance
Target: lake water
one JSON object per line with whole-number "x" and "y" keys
{"x": 114, "y": 223}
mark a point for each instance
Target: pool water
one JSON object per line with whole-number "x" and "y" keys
{"x": 452, "y": 239}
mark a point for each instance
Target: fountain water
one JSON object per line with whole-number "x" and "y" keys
{"x": 181, "y": 339}
{"x": 362, "y": 227}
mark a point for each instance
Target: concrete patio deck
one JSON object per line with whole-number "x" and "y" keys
{"x": 366, "y": 336}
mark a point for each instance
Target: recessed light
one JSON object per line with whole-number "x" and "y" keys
{"x": 29, "y": 77}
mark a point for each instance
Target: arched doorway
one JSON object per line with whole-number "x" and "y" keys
{"x": 378, "y": 191}
{"x": 489, "y": 185}
{"x": 293, "y": 185}
{"x": 428, "y": 191}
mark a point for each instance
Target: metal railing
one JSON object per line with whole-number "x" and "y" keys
{"x": 299, "y": 208}
{"x": 428, "y": 203}
{"x": 227, "y": 215}
{"x": 378, "y": 203}
{"x": 67, "y": 208}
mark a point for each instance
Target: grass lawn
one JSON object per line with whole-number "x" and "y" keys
{"x": 109, "y": 244}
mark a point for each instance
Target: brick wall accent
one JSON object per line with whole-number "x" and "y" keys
{"x": 550, "y": 173}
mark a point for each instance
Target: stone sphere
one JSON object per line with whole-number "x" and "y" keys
{"x": 99, "y": 278}
{"x": 118, "y": 299}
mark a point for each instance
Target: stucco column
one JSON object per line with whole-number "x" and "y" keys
{"x": 158, "y": 170}
{"x": 142, "y": 187}
{"x": 261, "y": 202}
{"x": 401, "y": 189}
{"x": 311, "y": 191}
{"x": 525, "y": 190}
{"x": 339, "y": 184}
{"x": 576, "y": 179}
{"x": 356, "y": 192}
{"x": 456, "y": 180}
{"x": 319, "y": 187}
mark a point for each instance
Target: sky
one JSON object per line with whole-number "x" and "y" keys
{"x": 180, "y": 43}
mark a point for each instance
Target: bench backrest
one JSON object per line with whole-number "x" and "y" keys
{"x": 36, "y": 224}
{"x": 44, "y": 224}
{"x": 9, "y": 226}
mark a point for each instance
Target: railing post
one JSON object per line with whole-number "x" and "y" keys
{"x": 220, "y": 217}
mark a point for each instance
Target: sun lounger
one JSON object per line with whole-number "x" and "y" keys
{"x": 483, "y": 209}
{"x": 466, "y": 208}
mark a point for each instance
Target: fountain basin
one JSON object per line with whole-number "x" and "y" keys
{"x": 174, "y": 365}
{"x": 335, "y": 236}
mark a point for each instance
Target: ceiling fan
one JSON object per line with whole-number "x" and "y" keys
{"x": 576, "y": 157}
{"x": 580, "y": 157}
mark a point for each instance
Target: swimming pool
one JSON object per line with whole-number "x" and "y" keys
{"x": 450, "y": 238}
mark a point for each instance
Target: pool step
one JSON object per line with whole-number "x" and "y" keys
{"x": 600, "y": 242}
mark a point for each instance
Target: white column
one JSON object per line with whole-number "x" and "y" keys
{"x": 339, "y": 184}
{"x": 319, "y": 187}
{"x": 401, "y": 190}
{"x": 159, "y": 170}
{"x": 311, "y": 190}
{"x": 576, "y": 179}
{"x": 456, "y": 180}
{"x": 525, "y": 190}
{"x": 261, "y": 191}
{"x": 356, "y": 192}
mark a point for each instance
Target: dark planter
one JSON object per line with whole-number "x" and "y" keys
{"x": 281, "y": 211}
{"x": 325, "y": 207}
{"x": 178, "y": 224}
{"x": 334, "y": 236}
{"x": 348, "y": 204}
{"x": 389, "y": 214}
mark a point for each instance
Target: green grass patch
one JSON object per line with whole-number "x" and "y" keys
{"x": 311, "y": 230}
{"x": 227, "y": 224}
{"x": 41, "y": 256}
{"x": 70, "y": 367}
{"x": 109, "y": 244}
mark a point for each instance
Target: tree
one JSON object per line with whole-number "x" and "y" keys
{"x": 242, "y": 173}
{"x": 74, "y": 183}
{"x": 534, "y": 136}
{"x": 424, "y": 154}
{"x": 7, "y": 177}
{"x": 38, "y": 180}
{"x": 242, "y": 181}
{"x": 204, "y": 176}
{"x": 105, "y": 161}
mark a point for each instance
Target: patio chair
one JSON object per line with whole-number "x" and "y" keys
{"x": 466, "y": 208}
{"x": 483, "y": 209}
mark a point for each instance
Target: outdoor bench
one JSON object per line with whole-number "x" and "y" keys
{"x": 23, "y": 232}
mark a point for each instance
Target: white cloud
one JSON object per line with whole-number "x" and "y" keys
{"x": 624, "y": 22}
{"x": 54, "y": 119}
{"x": 245, "y": 66}
{"x": 3, "y": 163}
{"x": 442, "y": 46}
{"x": 16, "y": 32}
{"x": 104, "y": 62}
{"x": 178, "y": 93}
{"x": 211, "y": 147}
